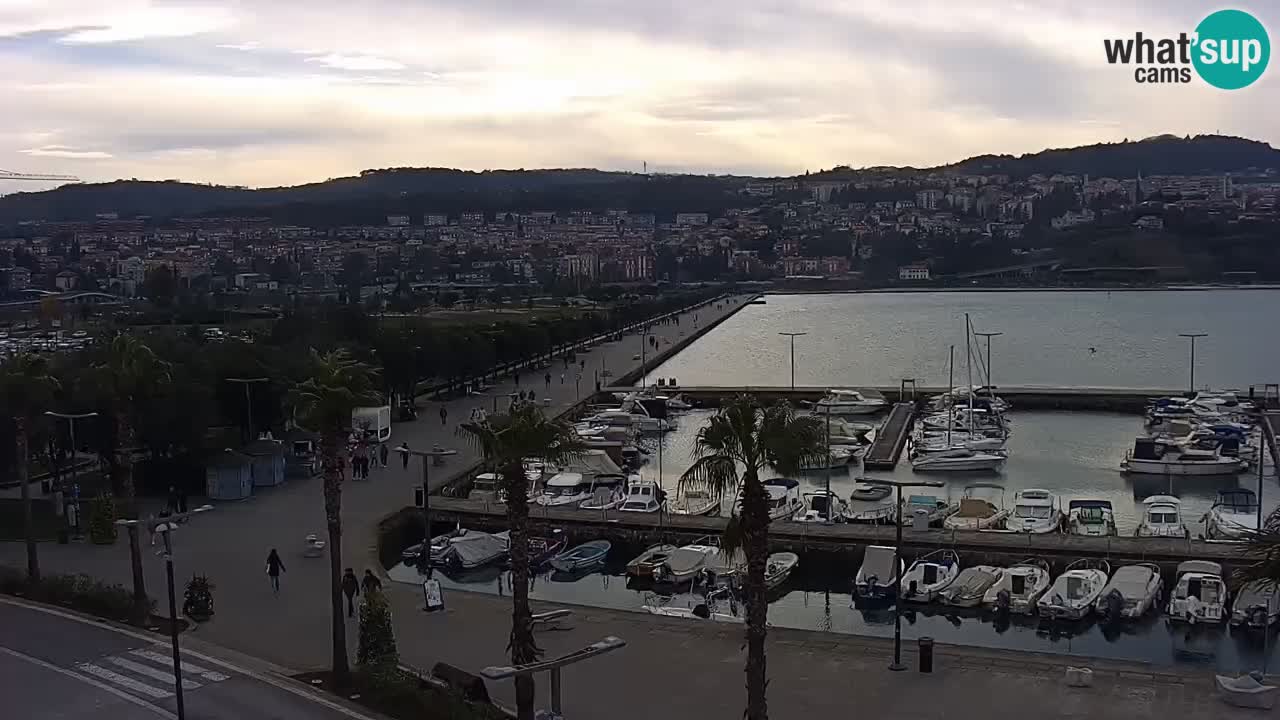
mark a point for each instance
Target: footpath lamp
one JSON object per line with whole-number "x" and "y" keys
{"x": 428, "y": 457}
{"x": 166, "y": 527}
{"x": 897, "y": 665}
{"x": 248, "y": 400}
{"x": 1193, "y": 337}
{"x": 71, "y": 419}
{"x": 793, "y": 336}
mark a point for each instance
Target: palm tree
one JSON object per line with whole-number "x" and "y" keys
{"x": 505, "y": 441}
{"x": 749, "y": 436}
{"x": 27, "y": 388}
{"x": 336, "y": 385}
{"x": 1263, "y": 548}
{"x": 130, "y": 374}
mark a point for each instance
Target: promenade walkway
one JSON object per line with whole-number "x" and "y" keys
{"x": 670, "y": 668}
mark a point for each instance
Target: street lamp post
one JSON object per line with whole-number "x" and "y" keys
{"x": 644, "y": 347}
{"x": 427, "y": 457}
{"x": 988, "y": 336}
{"x": 897, "y": 665}
{"x": 248, "y": 400}
{"x": 71, "y": 419}
{"x": 793, "y": 336}
{"x": 1193, "y": 337}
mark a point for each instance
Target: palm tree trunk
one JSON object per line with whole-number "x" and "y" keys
{"x": 28, "y": 522}
{"x": 331, "y": 457}
{"x": 755, "y": 531}
{"x": 124, "y": 469}
{"x": 522, "y": 646}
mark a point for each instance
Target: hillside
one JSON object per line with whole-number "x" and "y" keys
{"x": 1159, "y": 155}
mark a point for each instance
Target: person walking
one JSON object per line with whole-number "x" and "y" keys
{"x": 547, "y": 378}
{"x": 382, "y": 454}
{"x": 444, "y": 415}
{"x": 370, "y": 583}
{"x": 404, "y": 451}
{"x": 350, "y": 588}
{"x": 561, "y": 378}
{"x": 275, "y": 566}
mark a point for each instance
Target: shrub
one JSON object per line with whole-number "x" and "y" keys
{"x": 79, "y": 592}
{"x": 377, "y": 637}
{"x": 392, "y": 692}
{"x": 102, "y": 520}
{"x": 198, "y": 599}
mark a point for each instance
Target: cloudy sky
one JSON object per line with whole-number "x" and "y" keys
{"x": 265, "y": 92}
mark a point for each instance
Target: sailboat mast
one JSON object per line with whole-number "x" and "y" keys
{"x": 968, "y": 365}
{"x": 951, "y": 388}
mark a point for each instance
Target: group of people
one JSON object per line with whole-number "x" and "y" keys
{"x": 362, "y": 457}
{"x": 351, "y": 587}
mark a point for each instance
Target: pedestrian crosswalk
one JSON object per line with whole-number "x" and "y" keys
{"x": 148, "y": 672}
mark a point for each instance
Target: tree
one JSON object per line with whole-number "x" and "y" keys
{"x": 159, "y": 286}
{"x": 336, "y": 384}
{"x": 26, "y": 387}
{"x": 505, "y": 441}
{"x": 747, "y": 435}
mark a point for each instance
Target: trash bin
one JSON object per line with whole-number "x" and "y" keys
{"x": 926, "y": 654}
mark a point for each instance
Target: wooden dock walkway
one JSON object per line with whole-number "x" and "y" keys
{"x": 799, "y": 537}
{"x": 890, "y": 439}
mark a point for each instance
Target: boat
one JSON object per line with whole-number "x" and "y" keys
{"x": 976, "y": 513}
{"x": 868, "y": 512}
{"x": 850, "y": 402}
{"x": 1035, "y": 512}
{"x": 963, "y": 419}
{"x": 821, "y": 506}
{"x": 542, "y": 549}
{"x": 1076, "y": 590}
{"x": 565, "y": 488}
{"x": 587, "y": 555}
{"x": 935, "y": 509}
{"x": 957, "y": 459}
{"x": 694, "y": 501}
{"x": 980, "y": 395}
{"x": 644, "y": 564}
{"x": 877, "y": 578}
{"x": 488, "y": 488}
{"x": 971, "y": 585}
{"x": 1234, "y": 515}
{"x": 1130, "y": 593}
{"x": 606, "y": 492}
{"x": 866, "y": 491}
{"x": 643, "y": 497}
{"x": 709, "y": 608}
{"x": 779, "y": 568}
{"x": 687, "y": 561}
{"x": 1200, "y": 595}
{"x": 1092, "y": 518}
{"x": 837, "y": 456}
{"x": 1020, "y": 588}
{"x": 1256, "y": 606}
{"x": 472, "y": 550}
{"x": 1163, "y": 518}
{"x": 929, "y": 575}
{"x": 1154, "y": 457}
{"x": 439, "y": 545}
{"x": 784, "y": 497}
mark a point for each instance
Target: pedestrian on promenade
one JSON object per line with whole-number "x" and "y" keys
{"x": 547, "y": 378}
{"x": 370, "y": 583}
{"x": 561, "y": 378}
{"x": 275, "y": 566}
{"x": 350, "y": 588}
{"x": 382, "y": 454}
{"x": 404, "y": 451}
{"x": 444, "y": 415}
{"x": 584, "y": 364}
{"x": 531, "y": 397}
{"x": 515, "y": 374}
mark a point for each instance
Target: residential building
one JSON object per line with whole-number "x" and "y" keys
{"x": 398, "y": 220}
{"x": 687, "y": 219}
{"x": 913, "y": 272}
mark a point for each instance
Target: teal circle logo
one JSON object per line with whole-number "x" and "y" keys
{"x": 1231, "y": 49}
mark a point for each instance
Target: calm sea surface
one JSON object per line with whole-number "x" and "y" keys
{"x": 880, "y": 338}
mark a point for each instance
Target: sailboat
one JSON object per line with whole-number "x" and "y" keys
{"x": 953, "y": 457}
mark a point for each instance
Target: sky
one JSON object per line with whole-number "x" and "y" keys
{"x": 272, "y": 92}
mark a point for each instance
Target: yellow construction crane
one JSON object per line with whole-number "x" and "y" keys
{"x": 10, "y": 175}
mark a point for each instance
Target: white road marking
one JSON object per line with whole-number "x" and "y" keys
{"x": 125, "y": 682}
{"x": 154, "y": 673}
{"x": 187, "y": 667}
{"x": 89, "y": 681}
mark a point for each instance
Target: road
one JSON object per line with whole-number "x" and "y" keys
{"x": 57, "y": 665}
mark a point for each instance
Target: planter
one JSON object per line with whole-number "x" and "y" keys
{"x": 197, "y": 601}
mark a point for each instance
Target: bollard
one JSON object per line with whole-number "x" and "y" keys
{"x": 926, "y": 654}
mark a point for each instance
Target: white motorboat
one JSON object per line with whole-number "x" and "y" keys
{"x": 929, "y": 575}
{"x": 587, "y": 555}
{"x": 850, "y": 402}
{"x": 847, "y": 432}
{"x": 607, "y": 492}
{"x": 565, "y": 488}
{"x": 644, "y": 564}
{"x": 1130, "y": 593}
{"x": 963, "y": 419}
{"x": 718, "y": 605}
{"x": 1035, "y": 512}
{"x": 822, "y": 506}
{"x": 869, "y": 492}
{"x": 643, "y": 497}
{"x": 1256, "y": 606}
{"x": 1076, "y": 590}
{"x": 836, "y": 457}
{"x": 784, "y": 497}
{"x": 934, "y": 508}
{"x": 877, "y": 578}
{"x": 487, "y": 487}
{"x": 1154, "y": 457}
{"x": 1092, "y": 518}
{"x": 871, "y": 512}
{"x": 687, "y": 561}
{"x": 779, "y": 568}
{"x": 1163, "y": 518}
{"x": 470, "y": 550}
{"x": 976, "y": 513}
{"x": 1020, "y": 588}
{"x": 957, "y": 459}
{"x": 1200, "y": 596}
{"x": 694, "y": 501}
{"x": 1234, "y": 515}
{"x": 971, "y": 585}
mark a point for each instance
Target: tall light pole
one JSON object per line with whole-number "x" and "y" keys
{"x": 988, "y": 336}
{"x": 1193, "y": 337}
{"x": 248, "y": 400}
{"x": 793, "y": 336}
{"x": 897, "y": 665}
{"x": 71, "y": 419}
{"x": 428, "y": 456}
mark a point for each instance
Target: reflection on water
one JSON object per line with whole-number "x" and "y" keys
{"x": 820, "y": 599}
